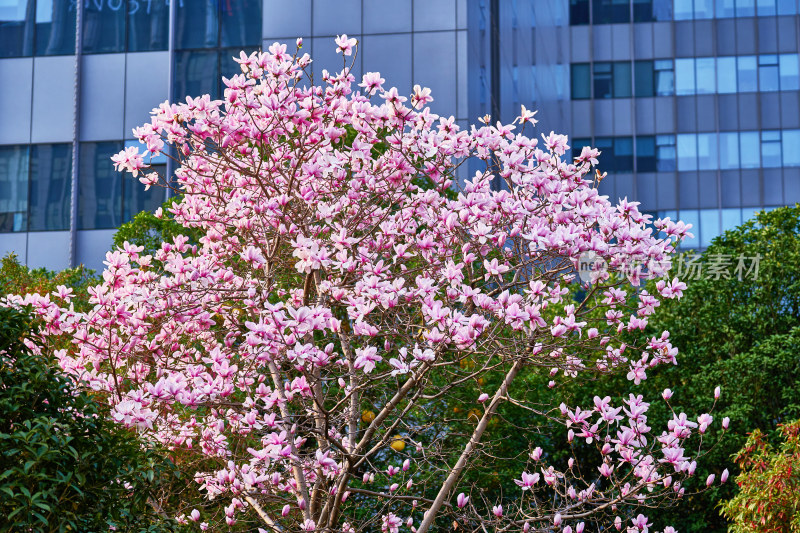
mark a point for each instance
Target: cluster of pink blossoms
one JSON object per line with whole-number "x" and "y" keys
{"x": 344, "y": 269}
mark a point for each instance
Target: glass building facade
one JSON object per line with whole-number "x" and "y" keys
{"x": 694, "y": 103}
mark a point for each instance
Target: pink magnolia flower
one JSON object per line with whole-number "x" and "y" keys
{"x": 345, "y": 45}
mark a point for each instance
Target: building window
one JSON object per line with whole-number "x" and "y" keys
{"x": 196, "y": 73}
{"x": 729, "y": 150}
{"x": 616, "y": 154}
{"x": 611, "y": 80}
{"x": 726, "y": 75}
{"x": 103, "y": 27}
{"x": 791, "y": 148}
{"x": 654, "y": 78}
{"x": 749, "y": 154}
{"x": 610, "y": 11}
{"x": 16, "y": 28}
{"x": 687, "y": 151}
{"x": 14, "y": 169}
{"x": 55, "y": 27}
{"x": 580, "y": 81}
{"x": 684, "y": 76}
{"x": 51, "y": 187}
{"x": 707, "y": 144}
{"x": 747, "y": 76}
{"x": 148, "y": 25}
{"x": 578, "y": 12}
{"x": 768, "y": 79}
{"x": 665, "y": 153}
{"x": 646, "y": 154}
{"x": 99, "y": 187}
{"x": 771, "y": 149}
{"x": 213, "y": 24}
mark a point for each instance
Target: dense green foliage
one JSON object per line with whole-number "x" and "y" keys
{"x": 63, "y": 465}
{"x": 767, "y": 501}
{"x": 16, "y": 278}
{"x": 148, "y": 230}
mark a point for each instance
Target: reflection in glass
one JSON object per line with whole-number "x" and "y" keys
{"x": 791, "y": 148}
{"x": 198, "y": 24}
{"x": 747, "y": 78}
{"x": 643, "y": 11}
{"x": 789, "y": 72}
{"x": 665, "y": 77}
{"x": 665, "y": 153}
{"x": 707, "y": 151}
{"x": 748, "y": 149}
{"x": 55, "y": 27}
{"x": 705, "y": 74}
{"x": 240, "y": 22}
{"x": 771, "y": 149}
{"x": 684, "y": 76}
{"x": 603, "y": 87}
{"x": 103, "y": 26}
{"x": 148, "y": 25}
{"x": 728, "y": 150}
{"x": 16, "y": 28}
{"x": 768, "y": 73}
{"x": 13, "y": 188}
{"x": 687, "y": 151}
{"x": 99, "y": 187}
{"x": 51, "y": 186}
{"x": 196, "y": 73}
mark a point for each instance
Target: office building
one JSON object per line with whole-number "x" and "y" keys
{"x": 694, "y": 104}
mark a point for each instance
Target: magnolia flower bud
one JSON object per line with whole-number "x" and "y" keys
{"x": 710, "y": 480}
{"x": 725, "y": 422}
{"x": 557, "y": 519}
{"x": 724, "y": 477}
{"x": 462, "y": 500}
{"x": 285, "y": 511}
{"x": 667, "y": 394}
{"x": 716, "y": 393}
{"x": 579, "y": 528}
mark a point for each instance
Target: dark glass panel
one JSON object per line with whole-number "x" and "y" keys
{"x": 603, "y": 86}
{"x": 196, "y": 73}
{"x": 55, "y": 27}
{"x": 581, "y": 82}
{"x": 13, "y": 188}
{"x": 623, "y": 154}
{"x": 136, "y": 199}
{"x": 104, "y": 26}
{"x": 240, "y": 22}
{"x": 646, "y": 154}
{"x": 622, "y": 79}
{"x": 148, "y": 25}
{"x": 578, "y": 12}
{"x": 643, "y": 76}
{"x": 198, "y": 24}
{"x": 51, "y": 186}
{"x": 16, "y": 28}
{"x": 99, "y": 187}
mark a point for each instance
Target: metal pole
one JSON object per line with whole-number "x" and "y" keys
{"x": 173, "y": 11}
{"x": 76, "y": 135}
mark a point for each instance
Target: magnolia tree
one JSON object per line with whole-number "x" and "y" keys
{"x": 346, "y": 284}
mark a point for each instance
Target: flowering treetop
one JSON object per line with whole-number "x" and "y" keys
{"x": 342, "y": 280}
